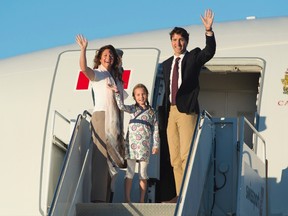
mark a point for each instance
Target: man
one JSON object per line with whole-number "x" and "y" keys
{"x": 181, "y": 96}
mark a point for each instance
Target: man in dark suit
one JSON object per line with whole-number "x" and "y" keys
{"x": 181, "y": 94}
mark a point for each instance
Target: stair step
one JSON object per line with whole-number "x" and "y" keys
{"x": 125, "y": 209}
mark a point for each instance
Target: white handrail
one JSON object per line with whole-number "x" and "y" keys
{"x": 255, "y": 148}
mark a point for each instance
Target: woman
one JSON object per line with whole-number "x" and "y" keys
{"x": 107, "y": 120}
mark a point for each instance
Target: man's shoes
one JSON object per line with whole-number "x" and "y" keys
{"x": 173, "y": 200}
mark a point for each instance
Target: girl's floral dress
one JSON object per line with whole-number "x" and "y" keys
{"x": 142, "y": 131}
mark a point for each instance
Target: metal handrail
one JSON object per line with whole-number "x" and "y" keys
{"x": 258, "y": 135}
{"x": 62, "y": 116}
{"x": 66, "y": 161}
{"x": 81, "y": 176}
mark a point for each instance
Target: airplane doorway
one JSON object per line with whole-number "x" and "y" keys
{"x": 232, "y": 88}
{"x": 229, "y": 94}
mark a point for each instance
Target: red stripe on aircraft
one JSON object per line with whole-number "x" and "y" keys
{"x": 126, "y": 77}
{"x": 83, "y": 82}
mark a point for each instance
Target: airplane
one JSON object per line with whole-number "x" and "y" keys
{"x": 46, "y": 104}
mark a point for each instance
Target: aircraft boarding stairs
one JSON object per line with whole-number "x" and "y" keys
{"x": 223, "y": 175}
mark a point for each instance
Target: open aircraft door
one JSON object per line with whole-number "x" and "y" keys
{"x": 71, "y": 94}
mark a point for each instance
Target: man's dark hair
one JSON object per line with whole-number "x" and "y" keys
{"x": 180, "y": 31}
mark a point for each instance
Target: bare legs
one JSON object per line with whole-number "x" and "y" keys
{"x": 143, "y": 187}
{"x": 131, "y": 163}
{"x": 128, "y": 186}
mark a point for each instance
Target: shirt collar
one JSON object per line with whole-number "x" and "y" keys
{"x": 102, "y": 68}
{"x": 181, "y": 56}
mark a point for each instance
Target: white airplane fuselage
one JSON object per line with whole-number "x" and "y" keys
{"x": 37, "y": 86}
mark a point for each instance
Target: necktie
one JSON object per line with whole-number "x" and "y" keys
{"x": 174, "y": 87}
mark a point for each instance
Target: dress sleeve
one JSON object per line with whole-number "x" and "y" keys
{"x": 156, "y": 138}
{"x": 122, "y": 106}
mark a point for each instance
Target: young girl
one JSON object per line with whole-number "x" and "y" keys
{"x": 142, "y": 132}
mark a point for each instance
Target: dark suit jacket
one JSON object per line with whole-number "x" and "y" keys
{"x": 187, "y": 95}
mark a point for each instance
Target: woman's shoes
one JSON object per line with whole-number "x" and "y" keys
{"x": 173, "y": 200}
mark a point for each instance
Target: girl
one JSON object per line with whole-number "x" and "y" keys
{"x": 142, "y": 132}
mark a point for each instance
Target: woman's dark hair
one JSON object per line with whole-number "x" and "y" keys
{"x": 115, "y": 68}
{"x": 180, "y": 31}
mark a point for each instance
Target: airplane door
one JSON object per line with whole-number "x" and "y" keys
{"x": 71, "y": 95}
{"x": 230, "y": 95}
{"x": 231, "y": 87}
